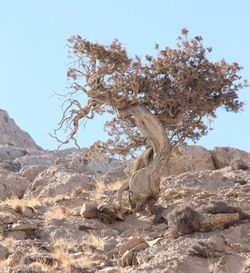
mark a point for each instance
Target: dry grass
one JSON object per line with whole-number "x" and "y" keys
{"x": 95, "y": 241}
{"x": 14, "y": 202}
{"x": 100, "y": 185}
{"x": 3, "y": 266}
{"x": 9, "y": 242}
{"x": 66, "y": 261}
{"x": 84, "y": 261}
{"x": 55, "y": 212}
{"x": 51, "y": 200}
{"x": 65, "y": 244}
{"x": 41, "y": 267}
{"x": 61, "y": 253}
{"x": 247, "y": 264}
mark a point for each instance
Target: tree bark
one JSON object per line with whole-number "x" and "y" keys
{"x": 144, "y": 185}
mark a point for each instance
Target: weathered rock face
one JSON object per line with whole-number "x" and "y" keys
{"x": 12, "y": 135}
{"x": 64, "y": 217}
{"x": 190, "y": 159}
{"x": 12, "y": 185}
{"x": 56, "y": 181}
{"x": 225, "y": 156}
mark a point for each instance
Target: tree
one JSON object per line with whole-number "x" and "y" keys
{"x": 157, "y": 103}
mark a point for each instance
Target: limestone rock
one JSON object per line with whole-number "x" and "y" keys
{"x": 42, "y": 159}
{"x": 219, "y": 221}
{"x": 32, "y": 171}
{"x": 131, "y": 244}
{"x": 190, "y": 158}
{"x": 89, "y": 210}
{"x": 24, "y": 226}
{"x": 8, "y": 152}
{"x": 3, "y": 252}
{"x": 127, "y": 259}
{"x": 40, "y": 257}
{"x": 55, "y": 181}
{"x": 12, "y": 185}
{"x": 225, "y": 156}
{"x": 11, "y": 134}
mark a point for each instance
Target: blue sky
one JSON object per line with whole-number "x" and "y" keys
{"x": 34, "y": 55}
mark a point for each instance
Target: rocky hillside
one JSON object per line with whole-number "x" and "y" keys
{"x": 58, "y": 213}
{"x": 11, "y": 134}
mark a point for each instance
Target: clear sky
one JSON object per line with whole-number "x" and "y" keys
{"x": 33, "y": 53}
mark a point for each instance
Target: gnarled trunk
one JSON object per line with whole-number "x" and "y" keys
{"x": 144, "y": 185}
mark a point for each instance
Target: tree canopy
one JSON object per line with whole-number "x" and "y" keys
{"x": 181, "y": 87}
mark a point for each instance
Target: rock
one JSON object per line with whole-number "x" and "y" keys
{"x": 12, "y": 185}
{"x": 216, "y": 207}
{"x": 89, "y": 210}
{"x": 100, "y": 167}
{"x": 17, "y": 235}
{"x": 110, "y": 213}
{"x": 44, "y": 258}
{"x": 225, "y": 156}
{"x": 206, "y": 180}
{"x": 10, "y": 166}
{"x": 10, "y": 153}
{"x": 213, "y": 247}
{"x": 31, "y": 172}
{"x": 131, "y": 244}
{"x": 27, "y": 211}
{"x": 45, "y": 159}
{"x": 238, "y": 237}
{"x": 118, "y": 173}
{"x": 129, "y": 251}
{"x": 207, "y": 193}
{"x": 3, "y": 252}
{"x": 231, "y": 263}
{"x": 184, "y": 220}
{"x": 219, "y": 221}
{"x": 8, "y": 215}
{"x": 11, "y": 134}
{"x": 26, "y": 226}
{"x": 57, "y": 181}
{"x": 109, "y": 270}
{"x": 190, "y": 158}
{"x": 127, "y": 259}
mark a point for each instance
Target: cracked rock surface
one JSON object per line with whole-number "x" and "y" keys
{"x": 58, "y": 213}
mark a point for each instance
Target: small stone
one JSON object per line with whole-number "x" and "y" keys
{"x": 155, "y": 242}
{"x": 89, "y": 210}
{"x": 24, "y": 227}
{"x": 127, "y": 258}
{"x": 39, "y": 257}
{"x": 17, "y": 235}
{"x": 27, "y": 211}
{"x": 131, "y": 244}
{"x": 109, "y": 270}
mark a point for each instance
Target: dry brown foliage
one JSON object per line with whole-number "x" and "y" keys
{"x": 180, "y": 86}
{"x": 158, "y": 102}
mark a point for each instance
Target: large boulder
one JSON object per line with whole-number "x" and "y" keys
{"x": 12, "y": 185}
{"x": 8, "y": 152}
{"x": 225, "y": 156}
{"x": 57, "y": 180}
{"x": 190, "y": 158}
{"x": 12, "y": 135}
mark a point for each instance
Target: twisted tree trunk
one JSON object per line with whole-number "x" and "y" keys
{"x": 144, "y": 185}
